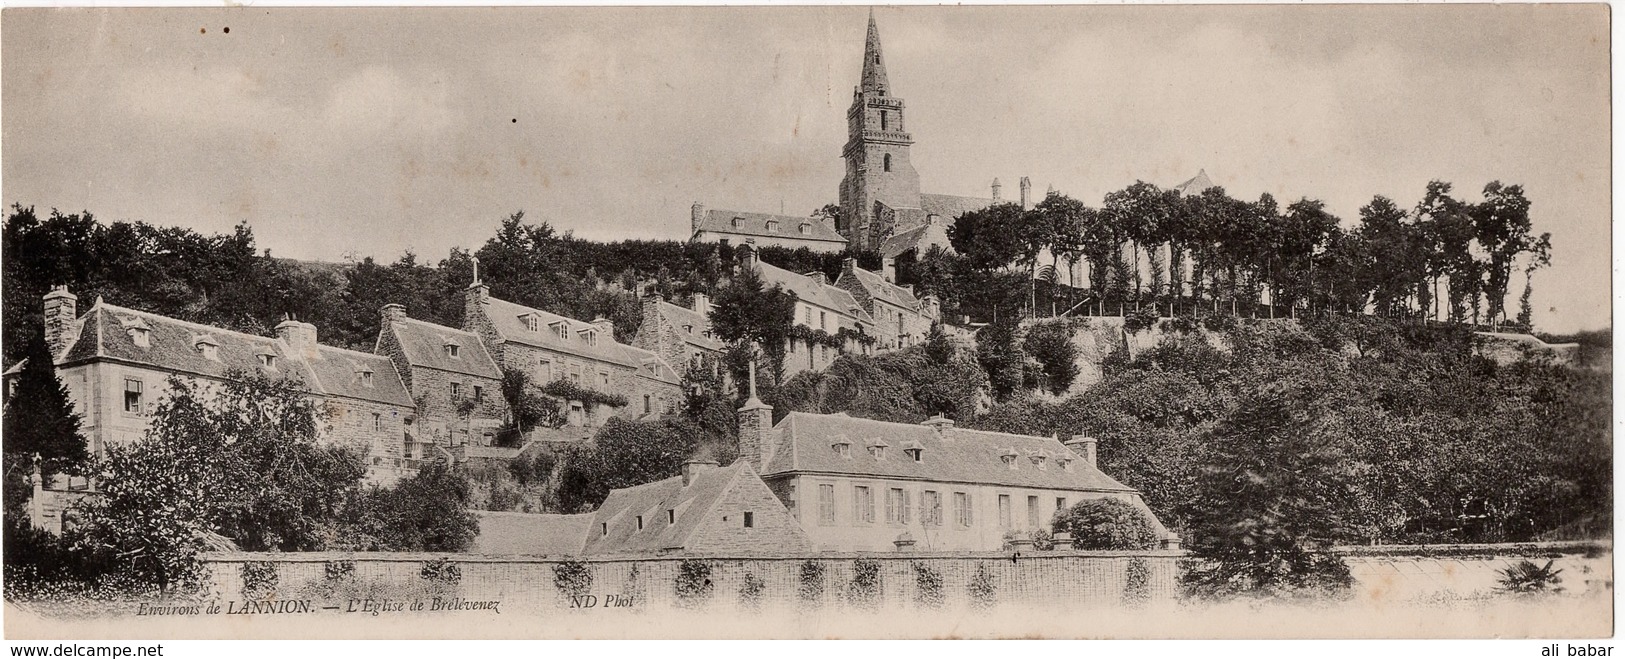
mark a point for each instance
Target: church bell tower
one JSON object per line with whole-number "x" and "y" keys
{"x": 876, "y": 152}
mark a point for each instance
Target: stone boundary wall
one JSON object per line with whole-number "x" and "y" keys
{"x": 525, "y": 583}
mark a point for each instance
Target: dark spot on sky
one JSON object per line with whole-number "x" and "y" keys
{"x": 228, "y": 30}
{"x": 516, "y": 120}
{"x": 203, "y": 30}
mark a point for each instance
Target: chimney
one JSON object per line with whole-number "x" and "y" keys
{"x": 392, "y": 313}
{"x": 605, "y": 326}
{"x": 1050, "y": 192}
{"x": 692, "y": 469}
{"x": 996, "y": 187}
{"x": 755, "y": 423}
{"x": 817, "y": 277}
{"x": 1084, "y": 447}
{"x": 747, "y": 256}
{"x": 938, "y": 423}
{"x": 300, "y": 337}
{"x": 848, "y": 264}
{"x": 474, "y": 297}
{"x": 61, "y": 310}
{"x": 933, "y": 306}
{"x": 888, "y": 269}
{"x": 702, "y": 303}
{"x": 931, "y": 219}
{"x": 697, "y": 216}
{"x": 1026, "y": 193}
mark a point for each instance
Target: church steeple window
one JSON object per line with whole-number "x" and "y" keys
{"x": 883, "y": 120}
{"x": 886, "y": 162}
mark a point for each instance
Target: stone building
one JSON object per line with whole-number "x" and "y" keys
{"x": 865, "y": 485}
{"x": 900, "y": 318}
{"x": 552, "y": 347}
{"x": 453, "y": 380}
{"x": 705, "y": 510}
{"x": 822, "y": 310}
{"x": 763, "y": 230}
{"x": 680, "y": 335}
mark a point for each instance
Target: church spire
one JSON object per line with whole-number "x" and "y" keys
{"x": 874, "y": 65}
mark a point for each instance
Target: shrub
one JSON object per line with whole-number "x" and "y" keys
{"x": 259, "y": 580}
{"x": 1136, "y": 582}
{"x": 1143, "y": 318}
{"x": 572, "y": 578}
{"x": 864, "y": 592}
{"x": 810, "y": 587}
{"x": 983, "y": 594}
{"x": 1042, "y": 539}
{"x": 1525, "y": 577}
{"x": 441, "y": 573}
{"x": 693, "y": 583}
{"x": 750, "y": 593}
{"x": 1051, "y": 344}
{"x": 1107, "y": 524}
{"x": 928, "y": 583}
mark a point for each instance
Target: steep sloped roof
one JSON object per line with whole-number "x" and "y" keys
{"x": 691, "y": 506}
{"x": 824, "y": 295}
{"x": 918, "y": 238}
{"x": 755, "y": 224}
{"x": 342, "y": 372}
{"x": 531, "y": 534}
{"x": 508, "y": 318}
{"x": 804, "y": 444}
{"x": 683, "y": 316}
{"x": 950, "y": 207}
{"x": 878, "y": 287}
{"x": 1195, "y": 184}
{"x": 425, "y": 345}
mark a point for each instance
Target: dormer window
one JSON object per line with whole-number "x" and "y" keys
{"x": 806, "y": 228}
{"x": 208, "y": 348}
{"x": 140, "y": 336}
{"x": 772, "y": 226}
{"x": 1009, "y": 457}
{"x": 1041, "y": 461}
{"x": 841, "y": 447}
{"x": 267, "y": 360}
{"x": 366, "y": 379}
{"x": 915, "y": 454}
{"x": 737, "y": 222}
{"x": 454, "y": 351}
{"x": 877, "y": 448}
{"x": 688, "y": 329}
{"x": 1064, "y": 463}
{"x": 531, "y": 323}
{"x": 562, "y": 329}
{"x": 590, "y": 336}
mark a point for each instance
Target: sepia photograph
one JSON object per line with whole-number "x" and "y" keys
{"x": 808, "y": 322}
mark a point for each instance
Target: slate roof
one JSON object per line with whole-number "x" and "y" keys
{"x": 879, "y": 288}
{"x": 683, "y": 316}
{"x": 651, "y": 500}
{"x": 104, "y": 333}
{"x": 1195, "y": 185}
{"x": 803, "y": 443}
{"x": 950, "y": 207}
{"x": 425, "y": 345}
{"x": 824, "y": 295}
{"x": 527, "y": 534}
{"x": 919, "y": 238}
{"x": 508, "y": 319}
{"x": 755, "y": 224}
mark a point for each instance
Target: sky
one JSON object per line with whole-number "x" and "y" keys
{"x": 344, "y": 133}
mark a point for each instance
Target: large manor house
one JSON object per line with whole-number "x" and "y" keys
{"x": 431, "y": 392}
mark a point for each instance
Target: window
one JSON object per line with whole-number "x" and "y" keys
{"x": 648, "y": 404}
{"x": 842, "y": 449}
{"x": 140, "y": 337}
{"x": 377, "y": 422}
{"x": 877, "y": 57}
{"x": 366, "y": 379}
{"x": 603, "y": 379}
{"x": 546, "y": 374}
{"x": 531, "y": 323}
{"x": 688, "y": 329}
{"x": 805, "y": 228}
{"x": 640, "y": 522}
{"x": 896, "y": 506}
{"x": 1032, "y": 512}
{"x": 454, "y": 351}
{"x": 886, "y": 162}
{"x": 737, "y": 222}
{"x": 863, "y": 504}
{"x": 267, "y": 360}
{"x": 884, "y": 125}
{"x": 823, "y": 320}
{"x": 479, "y": 393}
{"x": 913, "y": 453}
{"x": 456, "y": 391}
{"x": 671, "y": 515}
{"x": 575, "y": 373}
{"x": 133, "y": 390}
{"x": 750, "y": 519}
{"x": 772, "y": 226}
{"x": 1004, "y": 511}
{"x": 562, "y": 330}
{"x": 793, "y": 343}
{"x": 931, "y": 508}
{"x": 209, "y": 350}
{"x": 603, "y": 528}
{"x": 826, "y": 504}
{"x": 879, "y": 452}
{"x": 823, "y": 353}
{"x": 962, "y": 506}
{"x": 1060, "y": 503}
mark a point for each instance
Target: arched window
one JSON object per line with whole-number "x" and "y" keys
{"x": 886, "y": 163}
{"x": 877, "y": 58}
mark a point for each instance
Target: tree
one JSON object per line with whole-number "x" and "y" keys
{"x": 526, "y": 408}
{"x": 748, "y": 313}
{"x": 989, "y": 239}
{"x": 40, "y": 420}
{"x": 428, "y": 511}
{"x": 240, "y": 459}
{"x": 1106, "y": 524}
{"x": 1501, "y": 223}
{"x": 1001, "y": 356}
{"x": 1050, "y": 343}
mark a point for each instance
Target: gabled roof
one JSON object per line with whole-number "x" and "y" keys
{"x": 691, "y": 506}
{"x": 803, "y": 444}
{"x": 531, "y": 534}
{"x": 824, "y": 295}
{"x": 683, "y": 316}
{"x": 950, "y": 207}
{"x": 508, "y": 319}
{"x": 878, "y": 287}
{"x": 755, "y": 224}
{"x": 104, "y": 332}
{"x": 424, "y": 344}
{"x": 1195, "y": 184}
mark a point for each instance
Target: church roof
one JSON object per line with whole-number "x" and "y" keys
{"x": 874, "y": 63}
{"x": 424, "y": 344}
{"x": 690, "y": 505}
{"x": 788, "y": 227}
{"x": 106, "y": 332}
{"x": 950, "y": 207}
{"x": 508, "y": 319}
{"x": 955, "y": 455}
{"x": 1195, "y": 185}
{"x": 825, "y": 295}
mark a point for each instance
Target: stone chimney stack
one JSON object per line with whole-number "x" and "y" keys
{"x": 888, "y": 269}
{"x": 939, "y": 423}
{"x": 702, "y": 303}
{"x": 996, "y": 187}
{"x": 1026, "y": 193}
{"x": 474, "y": 297}
{"x": 300, "y": 337}
{"x": 817, "y": 277}
{"x": 61, "y": 310}
{"x": 1084, "y": 447}
{"x": 931, "y": 219}
{"x": 755, "y": 424}
{"x": 392, "y": 313}
{"x": 747, "y": 256}
{"x": 605, "y": 327}
{"x": 692, "y": 469}
{"x": 697, "y": 216}
{"x": 931, "y": 305}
